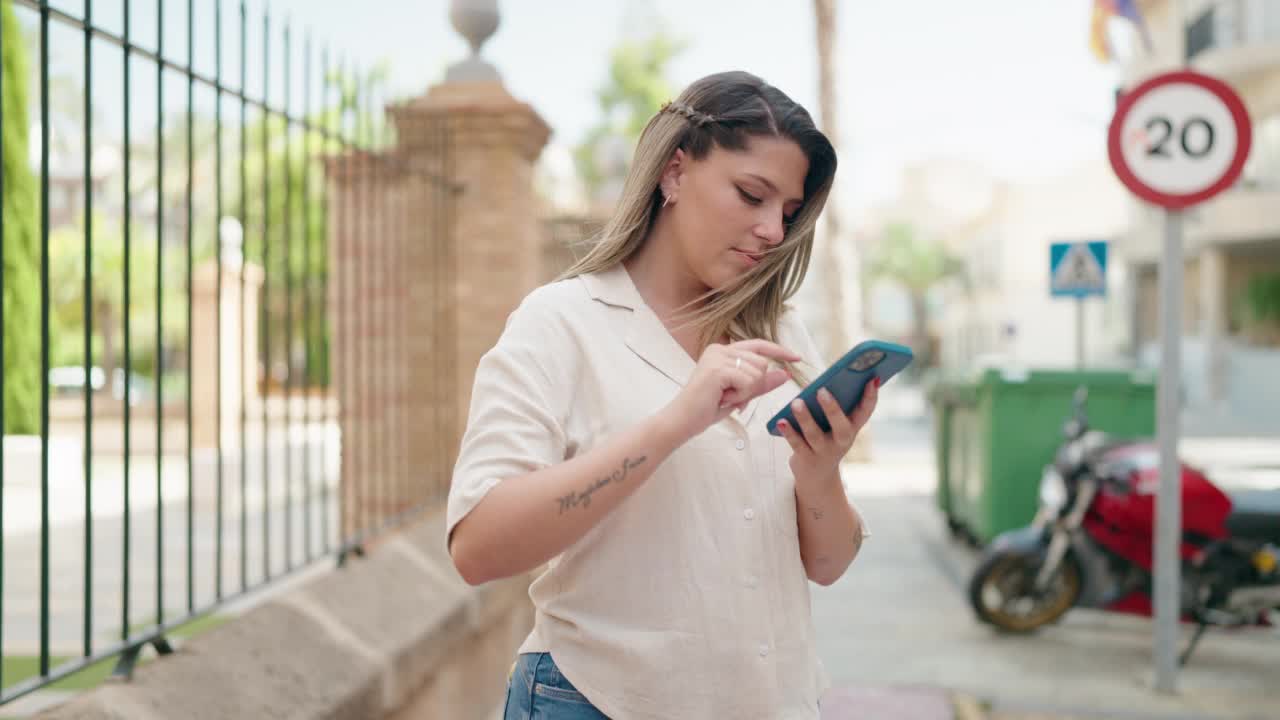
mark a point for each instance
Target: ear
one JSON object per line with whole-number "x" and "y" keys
{"x": 672, "y": 174}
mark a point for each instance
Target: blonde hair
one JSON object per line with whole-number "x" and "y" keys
{"x": 723, "y": 110}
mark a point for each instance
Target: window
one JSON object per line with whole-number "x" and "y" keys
{"x": 1202, "y": 32}
{"x": 1232, "y": 23}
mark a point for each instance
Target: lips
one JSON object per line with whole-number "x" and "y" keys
{"x": 749, "y": 258}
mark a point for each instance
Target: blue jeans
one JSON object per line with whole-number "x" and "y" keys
{"x": 537, "y": 691}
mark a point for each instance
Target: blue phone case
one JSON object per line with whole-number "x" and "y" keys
{"x": 846, "y": 379}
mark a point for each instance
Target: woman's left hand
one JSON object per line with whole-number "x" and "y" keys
{"x": 817, "y": 455}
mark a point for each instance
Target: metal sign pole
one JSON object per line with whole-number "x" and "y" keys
{"x": 1169, "y": 500}
{"x": 1214, "y": 135}
{"x": 1080, "y": 333}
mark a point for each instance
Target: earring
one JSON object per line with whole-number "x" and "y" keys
{"x": 666, "y": 200}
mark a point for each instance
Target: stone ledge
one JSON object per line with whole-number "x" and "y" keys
{"x": 395, "y": 632}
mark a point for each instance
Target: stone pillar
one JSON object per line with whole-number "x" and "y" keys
{"x": 473, "y": 249}
{"x": 239, "y": 333}
{"x": 1213, "y": 320}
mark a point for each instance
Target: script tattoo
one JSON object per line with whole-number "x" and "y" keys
{"x": 817, "y": 513}
{"x": 583, "y": 497}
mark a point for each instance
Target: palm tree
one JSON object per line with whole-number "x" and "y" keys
{"x": 918, "y": 265}
{"x": 832, "y": 280}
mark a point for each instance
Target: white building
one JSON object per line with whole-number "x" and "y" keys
{"x": 1230, "y": 360}
{"x": 1004, "y": 315}
{"x": 1011, "y": 317}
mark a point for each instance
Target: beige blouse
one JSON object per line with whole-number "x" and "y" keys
{"x": 689, "y": 600}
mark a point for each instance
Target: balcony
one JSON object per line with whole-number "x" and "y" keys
{"x": 1246, "y": 213}
{"x": 1233, "y": 39}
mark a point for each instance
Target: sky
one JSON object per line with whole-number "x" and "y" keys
{"x": 1008, "y": 85}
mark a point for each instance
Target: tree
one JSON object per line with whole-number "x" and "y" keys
{"x": 1261, "y": 300}
{"x": 636, "y": 87}
{"x": 66, "y": 296}
{"x": 918, "y": 265}
{"x": 832, "y": 279}
{"x": 296, "y": 203}
{"x": 20, "y": 203}
{"x": 295, "y": 191}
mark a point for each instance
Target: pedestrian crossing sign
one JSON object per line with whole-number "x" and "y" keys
{"x": 1078, "y": 269}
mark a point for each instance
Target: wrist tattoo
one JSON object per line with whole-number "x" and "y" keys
{"x": 817, "y": 513}
{"x": 583, "y": 497}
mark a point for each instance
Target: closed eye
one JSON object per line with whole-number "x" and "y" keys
{"x": 750, "y": 199}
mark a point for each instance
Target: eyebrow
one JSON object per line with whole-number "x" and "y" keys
{"x": 772, "y": 187}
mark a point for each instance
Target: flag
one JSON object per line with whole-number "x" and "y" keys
{"x": 1103, "y": 11}
{"x": 1128, "y": 9}
{"x": 1098, "y": 43}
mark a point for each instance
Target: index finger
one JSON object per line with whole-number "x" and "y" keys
{"x": 768, "y": 349}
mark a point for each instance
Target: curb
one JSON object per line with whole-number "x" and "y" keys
{"x": 341, "y": 645}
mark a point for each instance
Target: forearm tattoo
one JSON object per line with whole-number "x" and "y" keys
{"x": 583, "y": 497}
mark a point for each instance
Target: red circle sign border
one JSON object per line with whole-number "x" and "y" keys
{"x": 1244, "y": 138}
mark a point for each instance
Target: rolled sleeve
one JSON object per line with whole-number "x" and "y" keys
{"x": 515, "y": 424}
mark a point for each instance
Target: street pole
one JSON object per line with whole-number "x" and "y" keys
{"x": 1079, "y": 333}
{"x": 1175, "y": 181}
{"x": 1169, "y": 500}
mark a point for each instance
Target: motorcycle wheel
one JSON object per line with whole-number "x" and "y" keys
{"x": 1000, "y": 592}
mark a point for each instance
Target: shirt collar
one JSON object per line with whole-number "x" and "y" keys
{"x": 645, "y": 334}
{"x": 613, "y": 287}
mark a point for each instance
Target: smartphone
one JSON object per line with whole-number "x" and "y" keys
{"x": 847, "y": 378}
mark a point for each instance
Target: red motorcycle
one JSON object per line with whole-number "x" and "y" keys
{"x": 1090, "y": 544}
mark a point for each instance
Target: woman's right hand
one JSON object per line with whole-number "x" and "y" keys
{"x": 726, "y": 378}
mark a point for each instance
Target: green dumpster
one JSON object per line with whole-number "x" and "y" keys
{"x": 945, "y": 394}
{"x": 997, "y": 431}
{"x": 941, "y": 447}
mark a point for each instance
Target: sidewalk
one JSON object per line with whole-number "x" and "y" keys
{"x": 898, "y": 628}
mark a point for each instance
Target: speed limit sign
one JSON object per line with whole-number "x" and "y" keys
{"x": 1179, "y": 139}
{"x": 1176, "y": 140}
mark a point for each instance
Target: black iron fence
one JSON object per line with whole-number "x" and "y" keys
{"x": 170, "y": 404}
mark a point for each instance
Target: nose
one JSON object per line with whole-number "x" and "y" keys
{"x": 771, "y": 229}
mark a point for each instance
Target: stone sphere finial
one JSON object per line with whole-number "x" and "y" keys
{"x": 475, "y": 20}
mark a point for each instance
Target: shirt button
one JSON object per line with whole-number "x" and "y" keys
{"x": 749, "y": 514}
{"x": 752, "y": 581}
{"x": 764, "y": 649}
{"x": 740, "y": 444}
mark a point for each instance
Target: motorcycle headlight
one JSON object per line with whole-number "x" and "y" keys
{"x": 1053, "y": 489}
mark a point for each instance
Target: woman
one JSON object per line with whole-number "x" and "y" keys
{"x": 617, "y": 435}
